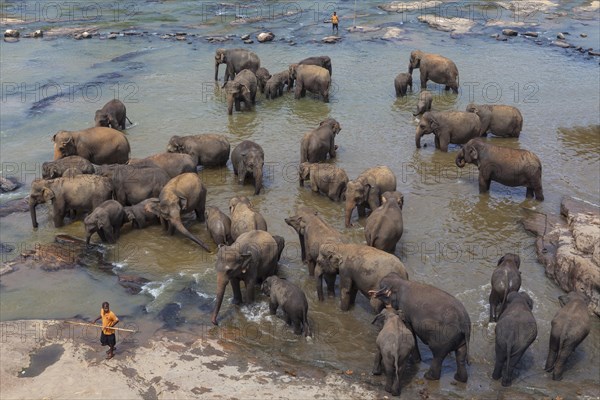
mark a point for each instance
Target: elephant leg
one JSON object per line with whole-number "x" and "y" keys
{"x": 249, "y": 281}
{"x": 563, "y": 354}
{"x": 303, "y": 92}
{"x": 298, "y": 91}
{"x": 529, "y": 193}
{"x": 539, "y": 193}
{"x": 416, "y": 354}
{"x": 237, "y": 292}
{"x": 443, "y": 144}
{"x": 423, "y": 81}
{"x": 435, "y": 370}
{"x": 237, "y": 105}
{"x": 109, "y": 235}
{"x": 352, "y": 294}
{"x": 311, "y": 267}
{"x": 553, "y": 349}
{"x": 397, "y": 376}
{"x": 103, "y": 237}
{"x": 345, "y": 289}
{"x": 361, "y": 210}
{"x": 326, "y": 96}
{"x": 164, "y": 223}
{"x": 493, "y": 303}
{"x": 171, "y": 229}
{"x": 377, "y": 363}
{"x": 200, "y": 213}
{"x": 484, "y": 183}
{"x": 273, "y": 307}
{"x": 389, "y": 373}
{"x": 297, "y": 326}
{"x": 330, "y": 281}
{"x": 461, "y": 361}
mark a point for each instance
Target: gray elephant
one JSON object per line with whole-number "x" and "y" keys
{"x": 384, "y": 226}
{"x": 236, "y": 60}
{"x": 173, "y": 163}
{"x": 209, "y": 150}
{"x": 112, "y": 115}
{"x": 241, "y": 89}
{"x": 292, "y": 301}
{"x": 98, "y": 145}
{"x": 262, "y": 76}
{"x": 326, "y": 178}
{"x": 366, "y": 190}
{"x": 107, "y": 220}
{"x": 184, "y": 193}
{"x": 570, "y": 326}
{"x": 456, "y": 127}
{"x": 318, "y": 143}
{"x": 275, "y": 84}
{"x": 434, "y": 67}
{"x": 78, "y": 193}
{"x": 244, "y": 218}
{"x": 499, "y": 119}
{"x": 515, "y": 331}
{"x": 510, "y": 167}
{"x": 424, "y": 103}
{"x": 395, "y": 343}
{"x": 506, "y": 278}
{"x": 251, "y": 258}
{"x": 219, "y": 226}
{"x": 435, "y": 317}
{"x": 313, "y": 78}
{"x": 133, "y": 184}
{"x": 56, "y": 169}
{"x": 360, "y": 268}
{"x": 248, "y": 159}
{"x": 321, "y": 61}
{"x": 139, "y": 216}
{"x": 401, "y": 83}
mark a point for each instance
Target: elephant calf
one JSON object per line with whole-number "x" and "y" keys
{"x": 112, "y": 115}
{"x": 515, "y": 331}
{"x": 318, "y": 143}
{"x": 107, "y": 220}
{"x": 56, "y": 169}
{"x": 395, "y": 343}
{"x": 292, "y": 301}
{"x": 366, "y": 190}
{"x": 275, "y": 84}
{"x": 262, "y": 76}
{"x": 506, "y": 278}
{"x": 244, "y": 218}
{"x": 499, "y": 119}
{"x": 448, "y": 127}
{"x": 510, "y": 167}
{"x": 139, "y": 216}
{"x": 570, "y": 326}
{"x": 219, "y": 226}
{"x": 248, "y": 159}
{"x": 424, "y": 103}
{"x": 385, "y": 226}
{"x": 401, "y": 83}
{"x": 241, "y": 89}
{"x": 326, "y": 178}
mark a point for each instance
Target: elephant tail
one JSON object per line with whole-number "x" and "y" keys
{"x": 129, "y": 120}
{"x": 305, "y": 324}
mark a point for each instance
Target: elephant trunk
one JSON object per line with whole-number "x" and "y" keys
{"x": 230, "y": 104}
{"x": 349, "y": 207}
{"x": 217, "y": 70}
{"x": 319, "y": 281}
{"x": 258, "y": 179}
{"x": 418, "y": 138}
{"x": 181, "y": 229}
{"x": 460, "y": 159}
{"x": 410, "y": 68}
{"x": 222, "y": 282}
{"x": 32, "y": 205}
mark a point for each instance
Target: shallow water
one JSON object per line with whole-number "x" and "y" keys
{"x": 453, "y": 236}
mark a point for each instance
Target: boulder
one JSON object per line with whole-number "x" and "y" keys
{"x": 509, "y": 32}
{"x": 265, "y": 37}
{"x": 12, "y": 33}
{"x": 9, "y": 184}
{"x": 453, "y": 24}
{"x": 331, "y": 39}
{"x": 392, "y": 33}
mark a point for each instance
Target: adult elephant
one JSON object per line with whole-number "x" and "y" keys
{"x": 184, "y": 193}
{"x": 236, "y": 61}
{"x": 321, "y": 61}
{"x": 313, "y": 78}
{"x": 366, "y": 190}
{"x": 251, "y": 258}
{"x": 133, "y": 184}
{"x": 79, "y": 193}
{"x": 510, "y": 167}
{"x": 456, "y": 127}
{"x": 173, "y": 163}
{"x": 384, "y": 227}
{"x": 326, "y": 178}
{"x": 248, "y": 158}
{"x": 209, "y": 150}
{"x": 318, "y": 143}
{"x": 360, "y": 268}
{"x": 499, "y": 119}
{"x": 434, "y": 67}
{"x": 99, "y": 145}
{"x": 241, "y": 89}
{"x": 56, "y": 169}
{"x": 434, "y": 316}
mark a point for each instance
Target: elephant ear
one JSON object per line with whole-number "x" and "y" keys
{"x": 433, "y": 123}
{"x": 301, "y": 226}
{"x": 47, "y": 194}
{"x": 473, "y": 153}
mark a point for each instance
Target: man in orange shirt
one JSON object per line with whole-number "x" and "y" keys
{"x": 334, "y": 23}
{"x": 107, "y": 337}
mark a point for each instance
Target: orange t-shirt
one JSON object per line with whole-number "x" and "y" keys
{"x": 334, "y": 19}
{"x": 108, "y": 319}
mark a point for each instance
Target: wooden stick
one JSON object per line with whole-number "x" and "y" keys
{"x": 99, "y": 326}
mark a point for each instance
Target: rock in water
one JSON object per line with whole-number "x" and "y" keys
{"x": 265, "y": 37}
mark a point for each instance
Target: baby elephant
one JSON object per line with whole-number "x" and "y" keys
{"x": 112, "y": 115}
{"x": 326, "y": 178}
{"x": 395, "y": 342}
{"x": 506, "y": 278}
{"x": 292, "y": 301}
{"x": 139, "y": 216}
{"x": 248, "y": 159}
{"x": 385, "y": 226}
{"x": 570, "y": 326}
{"x": 106, "y": 219}
{"x": 401, "y": 83}
{"x": 424, "y": 104}
{"x": 219, "y": 226}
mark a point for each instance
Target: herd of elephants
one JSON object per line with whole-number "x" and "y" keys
{"x": 92, "y": 172}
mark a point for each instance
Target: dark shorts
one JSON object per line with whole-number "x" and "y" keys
{"x": 108, "y": 340}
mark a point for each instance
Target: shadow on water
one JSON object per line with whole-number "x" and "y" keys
{"x": 42, "y": 359}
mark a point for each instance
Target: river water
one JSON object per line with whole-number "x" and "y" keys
{"x": 453, "y": 236}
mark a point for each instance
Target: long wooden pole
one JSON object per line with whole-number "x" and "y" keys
{"x": 99, "y": 326}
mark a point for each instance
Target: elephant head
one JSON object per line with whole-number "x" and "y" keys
{"x": 415, "y": 60}
{"x": 357, "y": 193}
{"x": 304, "y": 172}
{"x": 101, "y": 118}
{"x": 175, "y": 145}
{"x": 511, "y": 258}
{"x": 235, "y": 201}
{"x": 98, "y": 221}
{"x": 235, "y": 91}
{"x": 293, "y": 69}
{"x": 266, "y": 285}
{"x": 333, "y": 125}
{"x": 472, "y": 108}
{"x": 50, "y": 170}
{"x": 396, "y": 197}
{"x": 514, "y": 297}
{"x": 427, "y": 124}
{"x": 388, "y": 287}
{"x": 387, "y": 313}
{"x": 64, "y": 145}
{"x": 220, "y": 58}
{"x": 252, "y": 162}
{"x": 41, "y": 192}
{"x": 329, "y": 261}
{"x": 573, "y": 295}
{"x": 469, "y": 153}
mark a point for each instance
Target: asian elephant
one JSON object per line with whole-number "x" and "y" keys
{"x": 434, "y": 67}
{"x": 244, "y": 218}
{"x": 139, "y": 216}
{"x": 184, "y": 193}
{"x": 510, "y": 167}
{"x": 506, "y": 278}
{"x": 107, "y": 220}
{"x": 424, "y": 103}
{"x": 326, "y": 178}
{"x": 384, "y": 226}
{"x": 251, "y": 258}
{"x": 262, "y": 76}
{"x": 499, "y": 119}
{"x": 366, "y": 190}
{"x": 219, "y": 226}
{"x": 275, "y": 84}
{"x": 241, "y": 89}
{"x": 209, "y": 150}
{"x": 79, "y": 193}
{"x": 435, "y": 317}
{"x": 515, "y": 331}
{"x": 318, "y": 143}
{"x": 112, "y": 115}
{"x": 456, "y": 127}
{"x": 248, "y": 158}
{"x": 313, "y": 78}
{"x": 360, "y": 268}
{"x": 236, "y": 60}
{"x": 395, "y": 343}
{"x": 570, "y": 326}
{"x": 56, "y": 169}
{"x": 292, "y": 301}
{"x": 98, "y": 145}
{"x": 401, "y": 83}
{"x": 173, "y": 163}
{"x": 321, "y": 61}
{"x": 132, "y": 184}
